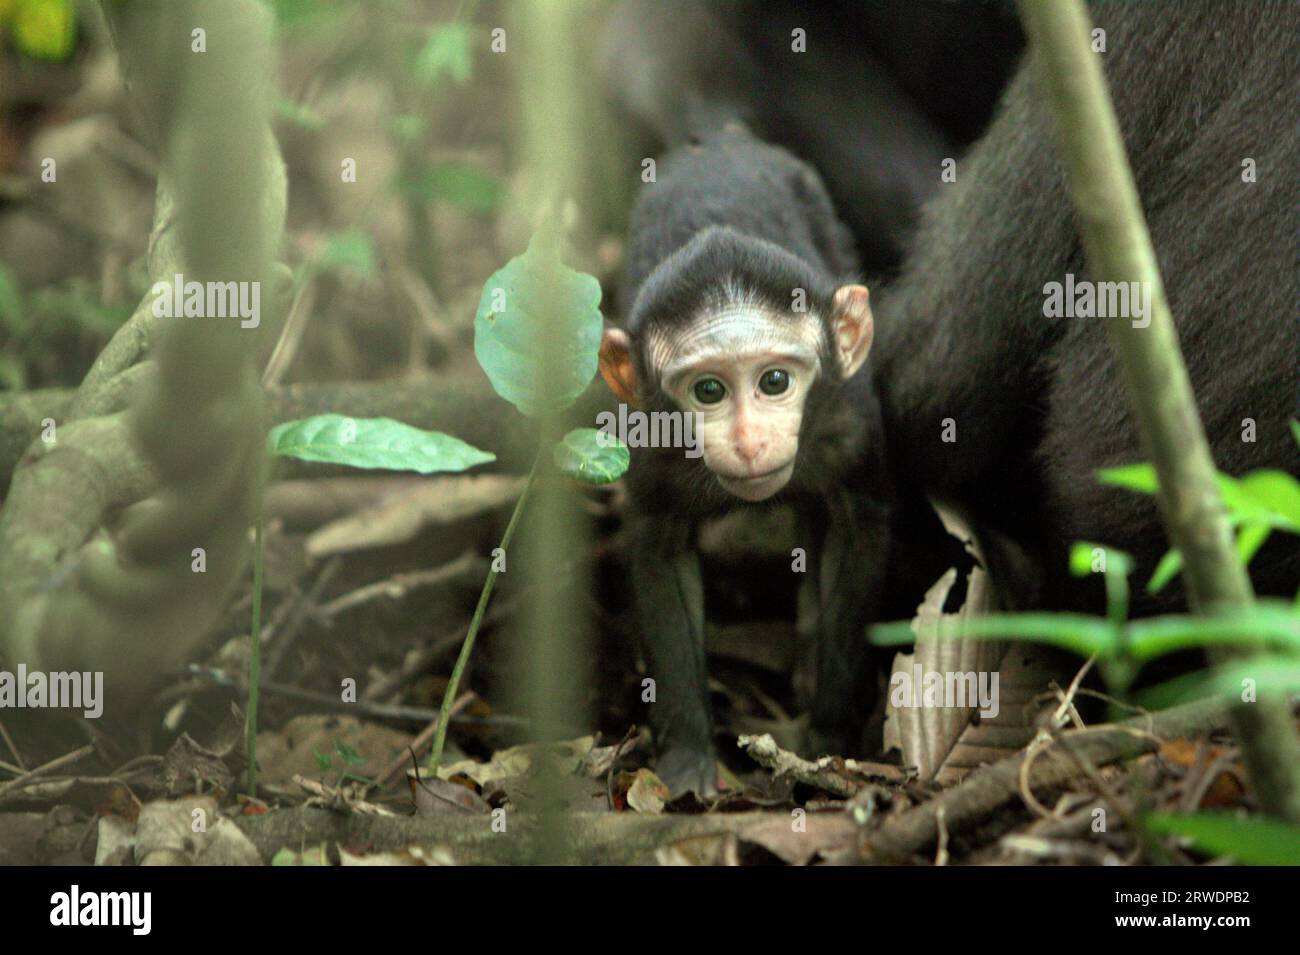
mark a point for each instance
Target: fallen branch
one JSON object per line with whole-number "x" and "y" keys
{"x": 988, "y": 789}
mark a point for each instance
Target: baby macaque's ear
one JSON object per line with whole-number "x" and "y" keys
{"x": 616, "y": 365}
{"x": 851, "y": 328}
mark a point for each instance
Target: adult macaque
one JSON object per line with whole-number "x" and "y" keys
{"x": 1032, "y": 402}
{"x": 743, "y": 310}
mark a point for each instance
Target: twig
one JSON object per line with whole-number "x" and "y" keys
{"x": 66, "y": 759}
{"x": 392, "y": 772}
{"x": 301, "y": 609}
{"x": 989, "y": 788}
{"x": 397, "y": 585}
{"x": 18, "y": 757}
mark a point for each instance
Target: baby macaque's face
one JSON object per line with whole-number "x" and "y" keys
{"x": 747, "y": 372}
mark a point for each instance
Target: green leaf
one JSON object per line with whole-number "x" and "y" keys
{"x": 1170, "y": 566}
{"x": 1264, "y": 622}
{"x": 1252, "y": 840}
{"x": 1133, "y": 477}
{"x": 352, "y": 251}
{"x": 591, "y": 456}
{"x": 1274, "y": 674}
{"x": 1083, "y": 634}
{"x": 1250, "y": 540}
{"x": 1115, "y": 561}
{"x": 298, "y": 114}
{"x": 1276, "y": 492}
{"x": 1081, "y": 558}
{"x": 447, "y": 51}
{"x": 1295, "y": 430}
{"x": 350, "y": 755}
{"x": 45, "y": 29}
{"x": 459, "y": 183}
{"x": 1142, "y": 478}
{"x": 373, "y": 443}
{"x": 510, "y": 327}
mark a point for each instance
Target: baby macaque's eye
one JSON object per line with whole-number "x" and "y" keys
{"x": 709, "y": 391}
{"x": 774, "y": 381}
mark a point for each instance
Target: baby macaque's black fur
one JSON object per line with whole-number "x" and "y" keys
{"x": 731, "y": 212}
{"x": 1037, "y": 401}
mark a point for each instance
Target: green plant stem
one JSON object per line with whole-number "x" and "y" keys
{"x": 254, "y": 656}
{"x": 444, "y": 712}
{"x": 1118, "y": 247}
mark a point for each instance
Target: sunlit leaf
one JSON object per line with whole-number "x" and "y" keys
{"x": 373, "y": 443}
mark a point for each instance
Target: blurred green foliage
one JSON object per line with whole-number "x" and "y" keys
{"x": 41, "y": 29}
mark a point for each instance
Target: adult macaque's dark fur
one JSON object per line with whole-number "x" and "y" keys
{"x": 1038, "y": 405}
{"x": 850, "y": 102}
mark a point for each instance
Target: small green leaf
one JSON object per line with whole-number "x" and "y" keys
{"x": 1250, "y": 540}
{"x": 45, "y": 29}
{"x": 459, "y": 183}
{"x": 1276, "y": 674}
{"x": 373, "y": 443}
{"x": 1083, "y": 634}
{"x": 1170, "y": 566}
{"x": 1263, "y": 622}
{"x": 510, "y": 328}
{"x": 1276, "y": 492}
{"x": 1252, "y": 840}
{"x": 1133, "y": 477}
{"x": 350, "y": 755}
{"x": 447, "y": 51}
{"x": 1081, "y": 558}
{"x": 352, "y": 251}
{"x": 1295, "y": 430}
{"x": 591, "y": 456}
{"x": 298, "y": 114}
